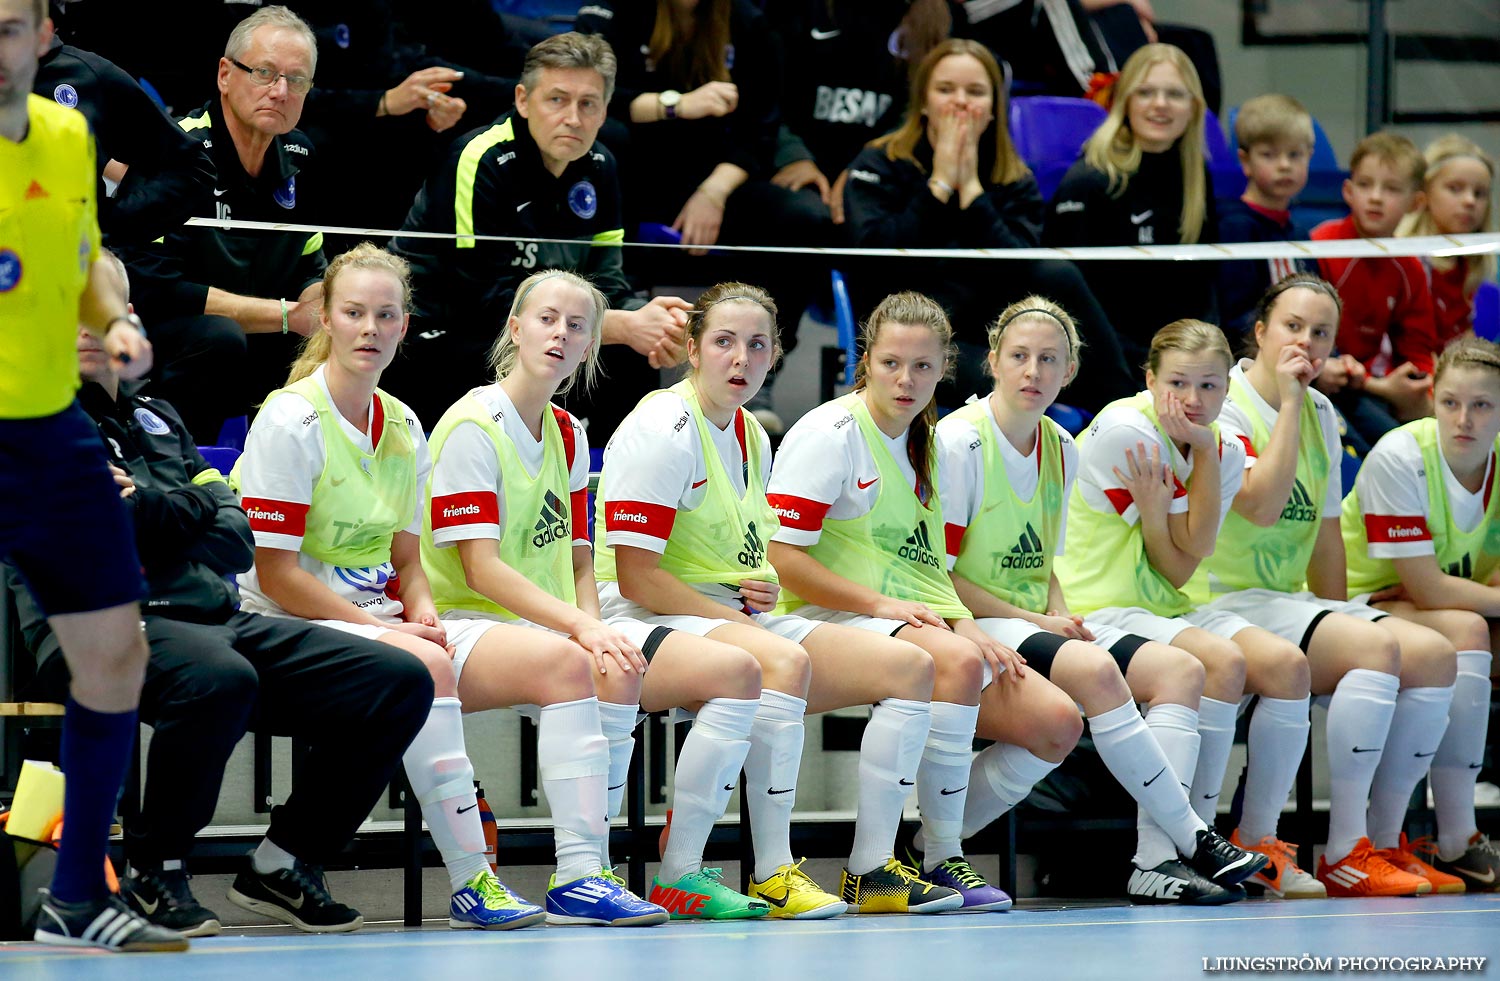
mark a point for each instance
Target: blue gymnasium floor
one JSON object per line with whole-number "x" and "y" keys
{"x": 1041, "y": 941}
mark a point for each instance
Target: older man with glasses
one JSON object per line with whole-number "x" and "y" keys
{"x": 226, "y": 302}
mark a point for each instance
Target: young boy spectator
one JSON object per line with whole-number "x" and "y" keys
{"x": 1383, "y": 298}
{"x": 1275, "y": 137}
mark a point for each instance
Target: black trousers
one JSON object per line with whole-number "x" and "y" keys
{"x": 354, "y": 703}
{"x": 210, "y": 370}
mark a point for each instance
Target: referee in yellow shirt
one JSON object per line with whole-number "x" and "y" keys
{"x": 61, "y": 522}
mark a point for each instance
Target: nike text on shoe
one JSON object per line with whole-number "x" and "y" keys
{"x": 793, "y": 895}
{"x": 701, "y": 895}
{"x": 600, "y": 899}
{"x": 1364, "y": 873}
{"x": 1478, "y": 866}
{"x": 1175, "y": 882}
{"x": 1281, "y": 878}
{"x": 979, "y": 896}
{"x": 163, "y": 897}
{"x": 1222, "y": 862}
{"x": 298, "y": 896}
{"x": 107, "y": 923}
{"x": 485, "y": 903}
{"x": 896, "y": 888}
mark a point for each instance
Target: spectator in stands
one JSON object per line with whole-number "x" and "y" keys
{"x": 208, "y": 289}
{"x": 1142, "y": 180}
{"x": 1459, "y": 184}
{"x": 153, "y": 176}
{"x": 58, "y": 502}
{"x": 951, "y": 178}
{"x": 331, "y": 445}
{"x": 1382, "y": 298}
{"x": 535, "y": 173}
{"x": 700, "y": 92}
{"x": 1275, "y": 138}
{"x": 355, "y": 703}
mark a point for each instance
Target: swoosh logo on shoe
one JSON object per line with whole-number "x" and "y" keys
{"x": 773, "y": 790}
{"x": 1153, "y": 779}
{"x": 1137, "y": 219}
{"x": 818, "y": 35}
{"x": 469, "y": 808}
{"x": 1487, "y": 878}
{"x": 1372, "y": 749}
{"x": 778, "y": 903}
{"x": 293, "y": 903}
{"x": 862, "y": 484}
{"x": 945, "y": 792}
{"x": 147, "y": 908}
{"x": 906, "y": 783}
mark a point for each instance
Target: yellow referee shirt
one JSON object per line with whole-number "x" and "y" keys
{"x": 49, "y": 236}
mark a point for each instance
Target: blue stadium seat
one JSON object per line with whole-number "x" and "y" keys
{"x": 221, "y": 458}
{"x": 1049, "y": 131}
{"x": 233, "y": 432}
{"x": 1487, "y": 311}
{"x": 1070, "y": 418}
{"x": 848, "y": 330}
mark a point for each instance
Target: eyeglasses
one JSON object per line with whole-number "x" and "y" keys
{"x": 1145, "y": 94}
{"x": 266, "y": 77}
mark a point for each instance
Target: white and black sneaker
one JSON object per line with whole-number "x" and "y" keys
{"x": 1225, "y": 863}
{"x": 1174, "y": 882}
{"x": 298, "y": 895}
{"x": 106, "y": 923}
{"x": 163, "y": 897}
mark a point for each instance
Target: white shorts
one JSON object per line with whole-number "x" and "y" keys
{"x": 1105, "y": 635}
{"x": 793, "y": 626}
{"x": 463, "y": 634}
{"x": 1143, "y": 623}
{"x": 1290, "y": 616}
{"x": 634, "y": 630}
{"x": 888, "y": 628}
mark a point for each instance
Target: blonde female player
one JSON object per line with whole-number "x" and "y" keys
{"x": 1280, "y": 559}
{"x": 685, "y": 521}
{"x": 1007, "y": 470}
{"x": 1141, "y": 520}
{"x": 509, "y": 540}
{"x": 331, "y": 479}
{"x": 860, "y": 544}
{"x": 1423, "y": 523}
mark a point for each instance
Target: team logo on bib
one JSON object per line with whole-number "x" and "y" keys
{"x": 918, "y": 547}
{"x": 286, "y": 194}
{"x": 1463, "y": 568}
{"x": 1299, "y": 507}
{"x": 151, "y": 422}
{"x": 753, "y": 555}
{"x": 10, "y": 270}
{"x": 552, "y": 525}
{"x": 66, "y": 95}
{"x": 1026, "y": 553}
{"x": 583, "y": 199}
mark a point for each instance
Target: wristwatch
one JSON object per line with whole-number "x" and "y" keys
{"x": 128, "y": 318}
{"x": 669, "y": 100}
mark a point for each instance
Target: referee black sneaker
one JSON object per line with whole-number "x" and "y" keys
{"x": 298, "y": 895}
{"x": 163, "y": 897}
{"x": 1224, "y": 863}
{"x": 1173, "y": 882}
{"x": 106, "y": 923}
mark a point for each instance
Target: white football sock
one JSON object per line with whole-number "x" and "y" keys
{"x": 771, "y": 777}
{"x": 1175, "y": 729}
{"x": 1456, "y": 766}
{"x": 1359, "y": 719}
{"x": 707, "y": 770}
{"x": 943, "y": 780}
{"x": 1216, "y": 731}
{"x": 1417, "y": 728}
{"x": 888, "y": 760}
{"x": 573, "y": 760}
{"x": 1275, "y": 746}
{"x": 1126, "y": 745}
{"x": 617, "y": 722}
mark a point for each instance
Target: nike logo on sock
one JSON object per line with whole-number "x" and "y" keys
{"x": 729, "y": 786}
{"x": 1153, "y": 779}
{"x": 945, "y": 792}
{"x": 469, "y": 808}
{"x": 773, "y": 790}
{"x": 906, "y": 783}
{"x": 1423, "y": 756}
{"x": 1372, "y": 749}
{"x": 1476, "y": 766}
{"x": 617, "y": 786}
